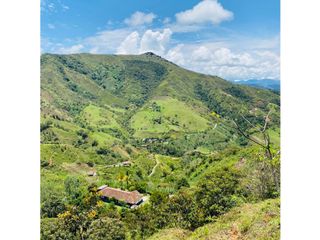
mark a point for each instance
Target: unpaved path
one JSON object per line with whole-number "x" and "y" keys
{"x": 155, "y": 166}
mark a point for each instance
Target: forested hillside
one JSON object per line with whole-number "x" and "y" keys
{"x": 197, "y": 147}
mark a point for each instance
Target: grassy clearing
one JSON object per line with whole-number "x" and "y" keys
{"x": 167, "y": 114}
{"x": 99, "y": 118}
{"x": 251, "y": 221}
{"x": 171, "y": 234}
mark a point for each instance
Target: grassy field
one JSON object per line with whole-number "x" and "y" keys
{"x": 164, "y": 115}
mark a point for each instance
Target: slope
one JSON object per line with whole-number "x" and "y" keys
{"x": 248, "y": 222}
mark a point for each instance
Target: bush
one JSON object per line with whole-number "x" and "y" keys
{"x": 94, "y": 143}
{"x": 217, "y": 192}
{"x": 90, "y": 164}
{"x": 82, "y": 134}
{"x": 45, "y": 125}
{"x": 52, "y": 207}
{"x": 102, "y": 151}
{"x": 183, "y": 182}
{"x": 107, "y": 229}
{"x": 52, "y": 229}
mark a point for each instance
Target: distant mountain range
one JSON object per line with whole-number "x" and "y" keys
{"x": 261, "y": 83}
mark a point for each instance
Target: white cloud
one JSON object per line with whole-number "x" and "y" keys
{"x": 53, "y": 6}
{"x": 140, "y": 18}
{"x": 155, "y": 41}
{"x": 130, "y": 45}
{"x": 176, "y": 55}
{"x": 65, "y": 7}
{"x": 207, "y": 11}
{"x": 106, "y": 41}
{"x": 69, "y": 50}
{"x": 151, "y": 41}
{"x": 225, "y": 62}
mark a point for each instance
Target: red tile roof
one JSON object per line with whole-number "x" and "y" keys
{"x": 125, "y": 196}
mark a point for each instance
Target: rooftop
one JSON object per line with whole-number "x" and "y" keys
{"x": 131, "y": 198}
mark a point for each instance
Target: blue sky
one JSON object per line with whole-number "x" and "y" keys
{"x": 230, "y": 38}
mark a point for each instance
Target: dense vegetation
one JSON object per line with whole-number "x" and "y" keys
{"x": 201, "y": 148}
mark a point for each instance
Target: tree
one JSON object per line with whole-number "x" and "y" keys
{"x": 218, "y": 191}
{"x": 74, "y": 189}
{"x": 270, "y": 154}
{"x": 52, "y": 206}
{"x": 183, "y": 211}
{"x": 80, "y": 214}
{"x": 182, "y": 182}
{"x": 259, "y": 172}
{"x": 106, "y": 229}
{"x": 52, "y": 229}
{"x": 270, "y": 160}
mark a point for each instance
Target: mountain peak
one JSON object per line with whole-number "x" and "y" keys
{"x": 150, "y": 54}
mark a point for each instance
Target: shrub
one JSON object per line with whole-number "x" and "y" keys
{"x": 107, "y": 229}
{"x": 52, "y": 207}
{"x": 216, "y": 192}
{"x": 102, "y": 151}
{"x": 183, "y": 182}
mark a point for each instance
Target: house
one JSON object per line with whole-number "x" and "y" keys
{"x": 133, "y": 198}
{"x": 126, "y": 164}
{"x": 92, "y": 173}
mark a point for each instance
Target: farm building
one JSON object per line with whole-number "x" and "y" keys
{"x": 126, "y": 164}
{"x": 133, "y": 198}
{"x": 92, "y": 173}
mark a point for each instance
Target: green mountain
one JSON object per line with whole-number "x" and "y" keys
{"x": 175, "y": 126}
{"x": 141, "y": 96}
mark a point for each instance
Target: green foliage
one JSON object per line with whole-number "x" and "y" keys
{"x": 52, "y": 206}
{"x": 45, "y": 125}
{"x": 106, "y": 229}
{"x": 53, "y": 229}
{"x": 218, "y": 192}
{"x": 262, "y": 179}
{"x": 75, "y": 190}
{"x": 257, "y": 221}
{"x": 238, "y": 92}
{"x": 183, "y": 182}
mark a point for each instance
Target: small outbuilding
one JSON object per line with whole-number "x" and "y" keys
{"x": 126, "y": 164}
{"x": 92, "y": 173}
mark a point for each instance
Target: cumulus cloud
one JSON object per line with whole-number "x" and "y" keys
{"x": 225, "y": 62}
{"x": 140, "y": 18}
{"x": 150, "y": 41}
{"x": 176, "y": 55}
{"x": 207, "y": 11}
{"x": 106, "y": 41}
{"x": 155, "y": 41}
{"x": 130, "y": 44}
